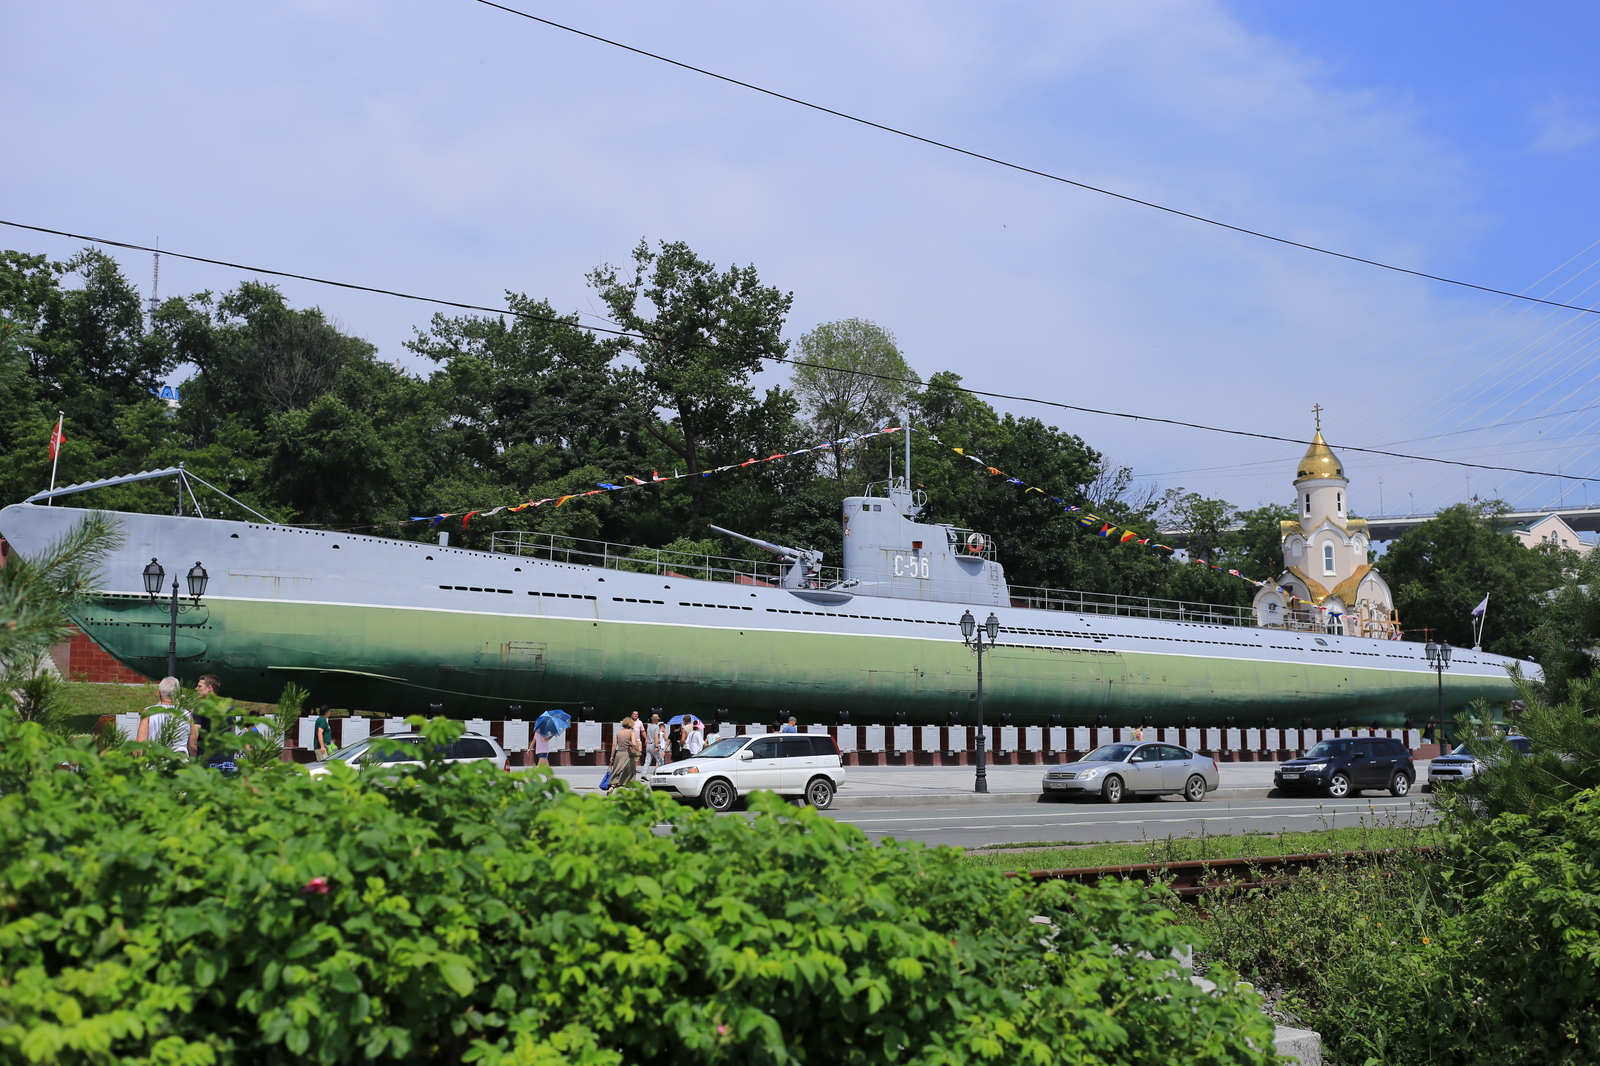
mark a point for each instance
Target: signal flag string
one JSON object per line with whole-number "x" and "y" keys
{"x": 1090, "y": 522}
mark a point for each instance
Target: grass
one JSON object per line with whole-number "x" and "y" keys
{"x": 84, "y": 702}
{"x": 1205, "y": 846}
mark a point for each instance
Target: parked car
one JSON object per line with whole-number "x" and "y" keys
{"x": 1113, "y": 771}
{"x": 1471, "y": 758}
{"x": 402, "y": 750}
{"x": 1346, "y": 766}
{"x": 790, "y": 764}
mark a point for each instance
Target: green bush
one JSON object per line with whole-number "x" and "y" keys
{"x": 1350, "y": 949}
{"x": 155, "y": 912}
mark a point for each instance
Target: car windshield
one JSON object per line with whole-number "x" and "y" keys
{"x": 1328, "y": 749}
{"x": 1481, "y": 746}
{"x": 349, "y": 751}
{"x": 1110, "y": 753}
{"x": 723, "y": 748}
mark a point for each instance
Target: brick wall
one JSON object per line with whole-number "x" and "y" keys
{"x": 81, "y": 659}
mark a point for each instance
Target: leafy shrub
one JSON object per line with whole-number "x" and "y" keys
{"x": 154, "y": 912}
{"x": 1352, "y": 948}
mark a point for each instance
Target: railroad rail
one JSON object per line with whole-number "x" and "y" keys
{"x": 1192, "y": 878}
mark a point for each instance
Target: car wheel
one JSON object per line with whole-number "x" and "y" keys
{"x": 720, "y": 795}
{"x": 1400, "y": 785}
{"x": 1339, "y": 785}
{"x": 1112, "y": 790}
{"x": 819, "y": 793}
{"x": 1195, "y": 790}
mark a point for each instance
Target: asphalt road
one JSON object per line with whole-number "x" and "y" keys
{"x": 1083, "y": 822}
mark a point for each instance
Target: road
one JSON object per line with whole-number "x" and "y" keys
{"x": 1030, "y": 821}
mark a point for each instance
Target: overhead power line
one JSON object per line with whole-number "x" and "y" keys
{"x": 784, "y": 359}
{"x": 971, "y": 154}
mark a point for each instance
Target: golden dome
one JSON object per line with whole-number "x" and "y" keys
{"x": 1319, "y": 462}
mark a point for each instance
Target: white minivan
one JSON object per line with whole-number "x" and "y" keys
{"x": 791, "y": 764}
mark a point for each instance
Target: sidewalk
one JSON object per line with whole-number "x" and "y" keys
{"x": 906, "y": 786}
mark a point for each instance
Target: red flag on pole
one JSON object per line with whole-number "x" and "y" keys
{"x": 57, "y": 439}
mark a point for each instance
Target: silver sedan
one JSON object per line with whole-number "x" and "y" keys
{"x": 1113, "y": 771}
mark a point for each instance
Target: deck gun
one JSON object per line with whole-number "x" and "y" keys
{"x": 799, "y": 565}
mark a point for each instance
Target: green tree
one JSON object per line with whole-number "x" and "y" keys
{"x": 706, "y": 335}
{"x": 1255, "y": 549}
{"x": 855, "y": 378}
{"x": 1441, "y": 569}
{"x": 1206, "y": 520}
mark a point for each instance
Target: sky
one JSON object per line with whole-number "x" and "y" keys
{"x": 450, "y": 149}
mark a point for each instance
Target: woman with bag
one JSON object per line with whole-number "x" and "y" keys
{"x": 626, "y": 744}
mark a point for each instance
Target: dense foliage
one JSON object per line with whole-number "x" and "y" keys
{"x": 289, "y": 413}
{"x": 153, "y": 911}
{"x": 1485, "y": 951}
{"x": 1443, "y": 568}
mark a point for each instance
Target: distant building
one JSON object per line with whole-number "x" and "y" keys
{"x": 1551, "y": 529}
{"x": 1327, "y": 584}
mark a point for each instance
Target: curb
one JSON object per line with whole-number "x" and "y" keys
{"x": 974, "y": 799}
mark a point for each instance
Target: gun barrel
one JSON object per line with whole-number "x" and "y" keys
{"x": 788, "y": 553}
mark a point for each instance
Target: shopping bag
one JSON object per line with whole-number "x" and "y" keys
{"x": 605, "y": 782}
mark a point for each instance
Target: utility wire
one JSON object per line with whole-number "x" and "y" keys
{"x": 1026, "y": 169}
{"x": 626, "y": 335}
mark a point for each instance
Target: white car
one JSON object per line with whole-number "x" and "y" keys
{"x": 790, "y": 764}
{"x": 1465, "y": 762}
{"x": 401, "y": 750}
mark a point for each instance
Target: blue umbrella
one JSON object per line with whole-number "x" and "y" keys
{"x": 550, "y": 723}
{"x": 680, "y": 719}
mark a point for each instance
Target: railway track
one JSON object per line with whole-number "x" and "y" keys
{"x": 1194, "y": 878}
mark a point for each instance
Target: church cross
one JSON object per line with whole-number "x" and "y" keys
{"x": 1316, "y": 410}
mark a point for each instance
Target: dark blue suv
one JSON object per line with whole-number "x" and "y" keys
{"x": 1344, "y": 767}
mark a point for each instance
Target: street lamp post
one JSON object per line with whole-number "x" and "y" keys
{"x": 972, "y": 634}
{"x": 153, "y": 575}
{"x": 1439, "y": 659}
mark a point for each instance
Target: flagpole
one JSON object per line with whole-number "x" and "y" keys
{"x": 55, "y": 455}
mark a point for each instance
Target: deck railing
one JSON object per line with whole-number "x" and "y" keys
{"x": 662, "y": 561}
{"x": 704, "y": 567}
{"x": 1131, "y": 606}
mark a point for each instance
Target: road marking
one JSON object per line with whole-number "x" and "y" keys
{"x": 848, "y": 814}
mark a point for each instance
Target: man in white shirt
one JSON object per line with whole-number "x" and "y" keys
{"x": 695, "y": 740}
{"x": 652, "y": 741}
{"x": 183, "y": 734}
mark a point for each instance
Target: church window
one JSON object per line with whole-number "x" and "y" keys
{"x": 1338, "y": 502}
{"x": 1308, "y": 504}
{"x": 1327, "y": 557}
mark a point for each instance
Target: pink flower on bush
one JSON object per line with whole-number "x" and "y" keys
{"x": 319, "y": 885}
{"x": 722, "y": 1030}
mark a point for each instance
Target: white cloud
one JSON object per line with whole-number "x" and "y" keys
{"x": 1560, "y": 126}
{"x": 454, "y": 150}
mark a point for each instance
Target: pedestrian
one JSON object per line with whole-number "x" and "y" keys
{"x": 541, "y": 749}
{"x": 322, "y": 734}
{"x": 663, "y": 745}
{"x": 675, "y": 741}
{"x": 696, "y": 740}
{"x": 652, "y": 741}
{"x": 164, "y": 723}
{"x": 210, "y": 743}
{"x": 791, "y": 726}
{"x": 624, "y": 751}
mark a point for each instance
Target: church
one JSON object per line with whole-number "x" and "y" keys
{"x": 1327, "y": 584}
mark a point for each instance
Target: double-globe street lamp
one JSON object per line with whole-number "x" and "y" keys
{"x": 153, "y": 576}
{"x": 972, "y": 634}
{"x": 1439, "y": 659}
